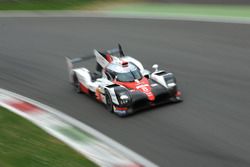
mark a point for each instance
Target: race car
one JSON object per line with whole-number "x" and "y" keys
{"x": 121, "y": 82}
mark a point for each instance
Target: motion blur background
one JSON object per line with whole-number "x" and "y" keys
{"x": 210, "y": 60}
{"x": 95, "y": 4}
{"x": 203, "y": 1}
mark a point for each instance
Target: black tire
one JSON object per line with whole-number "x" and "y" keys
{"x": 77, "y": 85}
{"x": 109, "y": 103}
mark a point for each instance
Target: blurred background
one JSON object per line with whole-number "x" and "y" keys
{"x": 232, "y": 8}
{"x": 96, "y": 4}
{"x": 210, "y": 60}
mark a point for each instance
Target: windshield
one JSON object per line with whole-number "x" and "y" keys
{"x": 130, "y": 76}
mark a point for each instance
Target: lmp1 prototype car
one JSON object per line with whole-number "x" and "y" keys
{"x": 122, "y": 83}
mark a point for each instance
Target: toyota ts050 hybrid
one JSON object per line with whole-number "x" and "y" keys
{"x": 122, "y": 83}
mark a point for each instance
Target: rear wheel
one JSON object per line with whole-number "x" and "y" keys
{"x": 77, "y": 85}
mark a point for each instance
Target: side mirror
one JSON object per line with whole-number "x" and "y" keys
{"x": 155, "y": 66}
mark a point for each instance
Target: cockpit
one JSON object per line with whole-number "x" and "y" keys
{"x": 128, "y": 73}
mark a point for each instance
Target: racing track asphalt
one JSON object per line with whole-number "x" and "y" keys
{"x": 210, "y": 60}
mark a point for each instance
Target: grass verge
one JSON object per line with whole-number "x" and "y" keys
{"x": 24, "y": 144}
{"x": 187, "y": 9}
{"x": 58, "y": 4}
{"x": 41, "y": 4}
{"x": 130, "y": 6}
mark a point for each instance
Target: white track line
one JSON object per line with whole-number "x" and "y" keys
{"x": 124, "y": 15}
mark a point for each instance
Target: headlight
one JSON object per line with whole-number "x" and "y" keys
{"x": 124, "y": 99}
{"x": 171, "y": 84}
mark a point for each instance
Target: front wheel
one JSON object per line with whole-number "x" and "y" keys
{"x": 109, "y": 103}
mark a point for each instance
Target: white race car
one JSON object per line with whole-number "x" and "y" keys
{"x": 122, "y": 83}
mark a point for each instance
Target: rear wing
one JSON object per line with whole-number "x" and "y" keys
{"x": 102, "y": 57}
{"x": 71, "y": 64}
{"x": 116, "y": 51}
